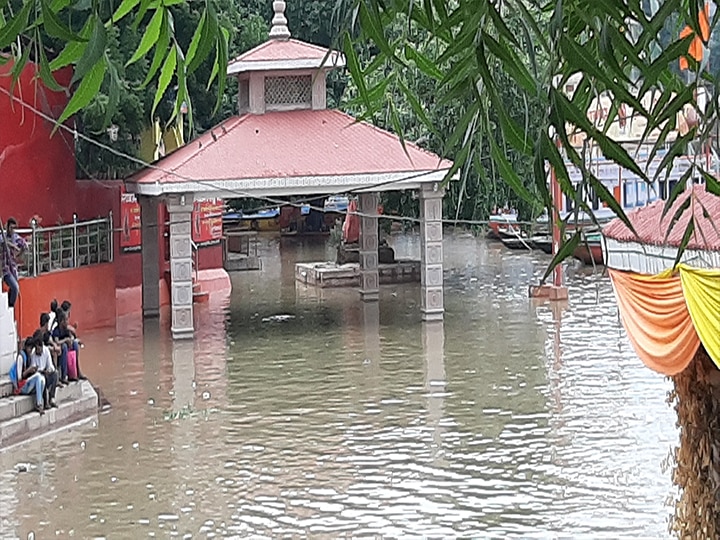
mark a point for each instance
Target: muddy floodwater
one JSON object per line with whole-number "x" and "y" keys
{"x": 511, "y": 419}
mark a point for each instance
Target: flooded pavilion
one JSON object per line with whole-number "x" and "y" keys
{"x": 285, "y": 142}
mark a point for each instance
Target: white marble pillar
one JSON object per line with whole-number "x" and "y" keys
{"x": 433, "y": 339}
{"x": 369, "y": 279}
{"x": 150, "y": 254}
{"x": 181, "y": 285}
{"x": 431, "y": 252}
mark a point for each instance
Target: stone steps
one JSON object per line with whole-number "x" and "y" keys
{"x": 19, "y": 421}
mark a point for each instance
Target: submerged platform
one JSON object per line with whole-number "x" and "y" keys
{"x": 19, "y": 422}
{"x": 242, "y": 263}
{"x": 329, "y": 274}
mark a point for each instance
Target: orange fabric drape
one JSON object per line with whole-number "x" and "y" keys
{"x": 656, "y": 318}
{"x": 696, "y": 46}
{"x": 351, "y": 227}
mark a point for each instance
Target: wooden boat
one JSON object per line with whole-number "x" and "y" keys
{"x": 516, "y": 242}
{"x": 590, "y": 249}
{"x": 542, "y": 243}
{"x": 502, "y": 224}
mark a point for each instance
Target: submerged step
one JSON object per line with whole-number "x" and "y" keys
{"x": 76, "y": 401}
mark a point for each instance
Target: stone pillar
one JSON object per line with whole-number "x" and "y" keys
{"x": 181, "y": 285}
{"x": 150, "y": 254}
{"x": 431, "y": 252}
{"x": 369, "y": 279}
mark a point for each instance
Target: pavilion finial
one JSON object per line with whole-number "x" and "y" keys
{"x": 279, "y": 29}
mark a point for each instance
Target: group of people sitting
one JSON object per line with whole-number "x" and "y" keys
{"x": 48, "y": 359}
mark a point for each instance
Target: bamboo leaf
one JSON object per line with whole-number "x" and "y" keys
{"x": 125, "y": 7}
{"x": 423, "y": 63}
{"x": 676, "y": 216}
{"x": 93, "y": 50}
{"x": 166, "y": 75}
{"x": 54, "y": 26}
{"x": 11, "y": 30}
{"x": 113, "y": 93}
{"x": 87, "y": 89}
{"x": 161, "y": 51}
{"x": 150, "y": 38}
{"x": 508, "y": 174}
{"x": 45, "y": 74}
{"x": 711, "y": 183}
{"x": 566, "y": 250}
{"x": 689, "y": 230}
{"x": 222, "y": 61}
{"x": 606, "y": 197}
{"x": 353, "y": 65}
{"x": 675, "y": 192}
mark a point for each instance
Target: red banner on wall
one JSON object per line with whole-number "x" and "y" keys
{"x": 207, "y": 221}
{"x": 130, "y": 231}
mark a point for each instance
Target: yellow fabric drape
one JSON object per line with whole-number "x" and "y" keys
{"x": 656, "y": 318}
{"x": 702, "y": 295}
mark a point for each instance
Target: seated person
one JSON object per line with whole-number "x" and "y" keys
{"x": 65, "y": 338}
{"x": 49, "y": 342}
{"x": 25, "y": 378}
{"x": 51, "y": 315}
{"x": 66, "y": 306}
{"x": 40, "y": 358}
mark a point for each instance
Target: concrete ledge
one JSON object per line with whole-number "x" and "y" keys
{"x": 76, "y": 402}
{"x": 328, "y": 274}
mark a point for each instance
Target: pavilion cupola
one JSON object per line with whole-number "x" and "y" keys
{"x": 283, "y": 74}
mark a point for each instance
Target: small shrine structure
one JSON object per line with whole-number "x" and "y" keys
{"x": 283, "y": 142}
{"x": 672, "y": 317}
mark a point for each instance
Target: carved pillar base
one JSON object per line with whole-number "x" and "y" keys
{"x": 431, "y": 252}
{"x": 181, "y": 285}
{"x": 369, "y": 279}
{"x": 150, "y": 255}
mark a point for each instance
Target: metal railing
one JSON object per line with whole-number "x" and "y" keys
{"x": 81, "y": 243}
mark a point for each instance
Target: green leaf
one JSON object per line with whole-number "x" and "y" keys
{"x": 689, "y": 230}
{"x": 73, "y": 50}
{"x": 415, "y": 105}
{"x": 353, "y": 65}
{"x": 150, "y": 37}
{"x": 125, "y": 7}
{"x": 87, "y": 89}
{"x": 161, "y": 51}
{"x": 675, "y": 193}
{"x": 711, "y": 183}
{"x": 202, "y": 41}
{"x": 113, "y": 93}
{"x": 55, "y": 27}
{"x": 222, "y": 61}
{"x": 606, "y": 197}
{"x": 166, "y": 75}
{"x": 565, "y": 252}
{"x": 677, "y": 215}
{"x": 17, "y": 24}
{"x": 423, "y": 63}
{"x": 508, "y": 174}
{"x": 45, "y": 74}
{"x": 94, "y": 49}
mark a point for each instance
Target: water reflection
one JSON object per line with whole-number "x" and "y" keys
{"x": 511, "y": 419}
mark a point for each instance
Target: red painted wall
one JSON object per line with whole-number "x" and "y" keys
{"x": 37, "y": 170}
{"x": 91, "y": 289}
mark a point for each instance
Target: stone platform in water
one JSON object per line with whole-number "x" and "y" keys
{"x": 19, "y": 422}
{"x": 240, "y": 263}
{"x": 329, "y": 274}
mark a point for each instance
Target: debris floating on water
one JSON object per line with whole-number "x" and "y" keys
{"x": 278, "y": 318}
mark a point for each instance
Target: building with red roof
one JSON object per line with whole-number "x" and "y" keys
{"x": 653, "y": 247}
{"x": 285, "y": 142}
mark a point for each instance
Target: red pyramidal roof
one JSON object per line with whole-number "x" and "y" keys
{"x": 651, "y": 227}
{"x": 285, "y": 54}
{"x": 303, "y": 143}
